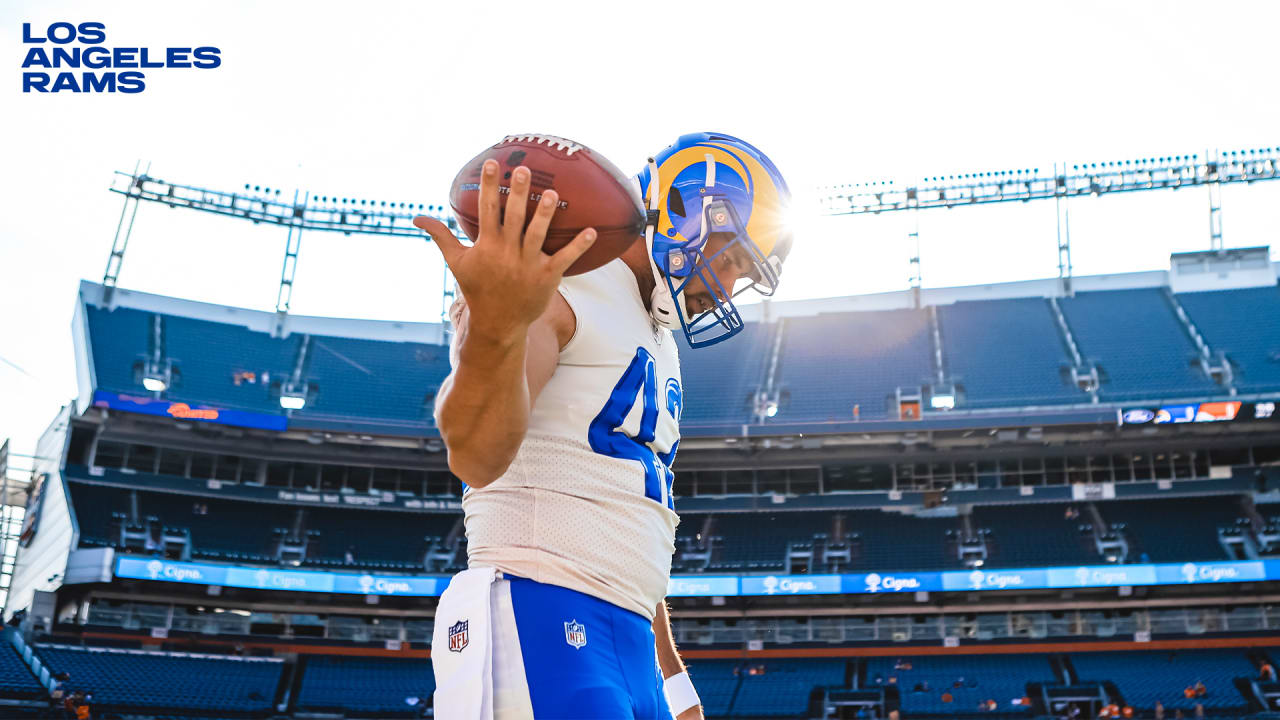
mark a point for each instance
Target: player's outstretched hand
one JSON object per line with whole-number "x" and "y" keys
{"x": 505, "y": 277}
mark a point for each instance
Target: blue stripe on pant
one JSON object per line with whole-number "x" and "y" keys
{"x": 608, "y": 671}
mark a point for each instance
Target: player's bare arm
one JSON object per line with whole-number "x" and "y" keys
{"x": 508, "y": 348}
{"x": 668, "y": 657}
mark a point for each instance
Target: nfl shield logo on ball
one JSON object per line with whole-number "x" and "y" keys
{"x": 575, "y": 634}
{"x": 458, "y": 636}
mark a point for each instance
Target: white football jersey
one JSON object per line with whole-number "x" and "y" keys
{"x": 586, "y": 504}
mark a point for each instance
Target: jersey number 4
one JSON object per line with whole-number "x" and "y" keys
{"x": 606, "y": 437}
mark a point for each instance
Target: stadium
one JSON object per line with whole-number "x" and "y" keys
{"x": 1041, "y": 498}
{"x": 1000, "y": 441}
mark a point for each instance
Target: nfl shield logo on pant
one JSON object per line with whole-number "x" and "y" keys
{"x": 575, "y": 634}
{"x": 458, "y": 636}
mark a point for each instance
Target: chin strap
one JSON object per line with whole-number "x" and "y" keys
{"x": 662, "y": 306}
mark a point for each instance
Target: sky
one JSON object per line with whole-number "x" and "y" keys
{"x": 385, "y": 100}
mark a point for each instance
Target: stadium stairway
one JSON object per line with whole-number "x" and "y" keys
{"x": 1137, "y": 342}
{"x": 1176, "y": 530}
{"x": 979, "y": 335}
{"x": 1245, "y": 324}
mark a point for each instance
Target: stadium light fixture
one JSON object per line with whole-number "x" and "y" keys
{"x": 942, "y": 401}
{"x": 1084, "y": 179}
{"x": 293, "y": 401}
{"x": 155, "y": 372}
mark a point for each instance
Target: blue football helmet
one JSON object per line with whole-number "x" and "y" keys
{"x": 707, "y": 183}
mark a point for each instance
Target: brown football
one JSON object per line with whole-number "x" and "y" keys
{"x": 593, "y": 193}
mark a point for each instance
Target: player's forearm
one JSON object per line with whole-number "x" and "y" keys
{"x": 668, "y": 656}
{"x": 485, "y": 413}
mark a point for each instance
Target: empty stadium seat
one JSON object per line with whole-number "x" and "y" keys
{"x": 1146, "y": 677}
{"x": 352, "y": 378}
{"x": 1139, "y": 345}
{"x": 16, "y": 680}
{"x": 366, "y": 685}
{"x": 244, "y": 531}
{"x": 980, "y": 678}
{"x": 829, "y": 362}
{"x": 717, "y": 682}
{"x": 782, "y": 688}
{"x": 1245, "y": 324}
{"x": 719, "y": 380}
{"x": 1174, "y": 529}
{"x": 1057, "y": 540}
{"x": 979, "y": 338}
{"x": 119, "y": 337}
{"x": 208, "y": 354}
{"x": 833, "y": 361}
{"x": 131, "y": 679}
{"x": 373, "y": 379}
{"x": 756, "y": 538}
{"x": 899, "y": 541}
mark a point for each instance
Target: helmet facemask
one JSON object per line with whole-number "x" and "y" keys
{"x": 686, "y": 266}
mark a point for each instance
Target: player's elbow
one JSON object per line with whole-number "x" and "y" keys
{"x": 477, "y": 467}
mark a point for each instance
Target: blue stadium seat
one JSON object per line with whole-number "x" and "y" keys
{"x": 1245, "y": 324}
{"x": 366, "y": 685}
{"x": 979, "y": 339}
{"x": 717, "y": 682}
{"x": 760, "y": 538}
{"x": 1145, "y": 677}
{"x": 1057, "y": 540}
{"x": 131, "y": 679}
{"x": 830, "y": 362}
{"x": 16, "y": 680}
{"x": 980, "y": 678}
{"x": 120, "y": 338}
{"x": 353, "y": 378}
{"x": 208, "y": 354}
{"x": 242, "y": 530}
{"x": 898, "y": 541}
{"x": 1174, "y": 529}
{"x": 781, "y": 688}
{"x": 757, "y": 542}
{"x": 833, "y": 361}
{"x": 373, "y": 379}
{"x": 1136, "y": 339}
{"x": 719, "y": 380}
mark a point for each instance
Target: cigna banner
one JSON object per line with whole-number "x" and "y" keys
{"x": 279, "y": 579}
{"x": 1088, "y": 576}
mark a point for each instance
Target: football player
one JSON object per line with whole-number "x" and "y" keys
{"x": 561, "y": 416}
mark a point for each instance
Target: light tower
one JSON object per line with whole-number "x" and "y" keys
{"x": 260, "y": 204}
{"x": 1212, "y": 171}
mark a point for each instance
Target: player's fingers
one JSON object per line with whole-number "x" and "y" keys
{"x": 517, "y": 203}
{"x": 570, "y": 253}
{"x": 449, "y": 245}
{"x": 490, "y": 224}
{"x": 536, "y": 233}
